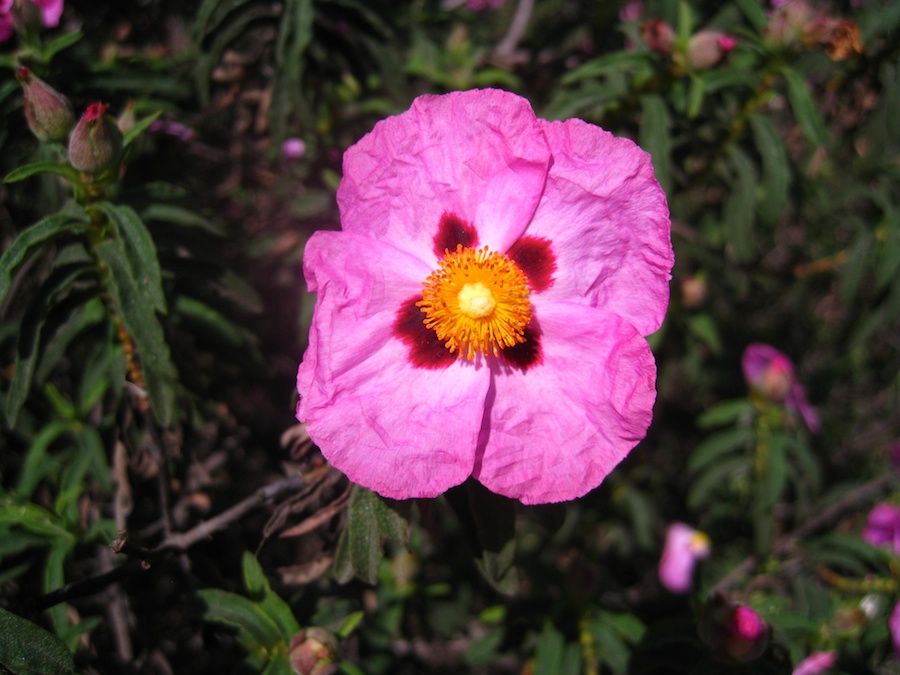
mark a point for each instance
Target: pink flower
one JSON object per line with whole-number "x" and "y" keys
{"x": 816, "y": 663}
{"x": 482, "y": 312}
{"x": 683, "y": 548}
{"x": 293, "y": 149}
{"x": 883, "y": 526}
{"x": 50, "y": 11}
{"x": 771, "y": 374}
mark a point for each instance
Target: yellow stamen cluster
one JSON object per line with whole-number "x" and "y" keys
{"x": 476, "y": 301}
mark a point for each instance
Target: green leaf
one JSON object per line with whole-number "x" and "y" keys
{"x": 28, "y": 649}
{"x": 776, "y": 169}
{"x": 604, "y": 65}
{"x": 654, "y": 137}
{"x": 739, "y": 210}
{"x": 703, "y": 327}
{"x": 177, "y": 215}
{"x": 36, "y": 467}
{"x": 805, "y": 109}
{"x": 31, "y": 240}
{"x": 55, "y": 288}
{"x": 754, "y": 13}
{"x": 61, "y": 331}
{"x": 696, "y": 92}
{"x": 139, "y": 127}
{"x": 236, "y": 611}
{"x": 262, "y": 594}
{"x": 370, "y": 519}
{"x": 714, "y": 448}
{"x": 57, "y": 44}
{"x": 725, "y": 412}
{"x": 294, "y": 35}
{"x": 140, "y": 251}
{"x": 137, "y": 306}
{"x": 46, "y": 166}
{"x": 552, "y": 656}
{"x": 717, "y": 477}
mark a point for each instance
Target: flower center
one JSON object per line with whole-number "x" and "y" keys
{"x": 476, "y": 301}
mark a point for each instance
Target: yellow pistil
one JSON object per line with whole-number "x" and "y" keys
{"x": 476, "y": 301}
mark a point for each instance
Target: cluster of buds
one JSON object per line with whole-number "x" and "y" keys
{"x": 794, "y": 22}
{"x": 705, "y": 49}
{"x": 94, "y": 143}
{"x": 314, "y": 651}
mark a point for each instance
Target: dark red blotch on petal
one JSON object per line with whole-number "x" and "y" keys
{"x": 535, "y": 258}
{"x": 425, "y": 350}
{"x": 453, "y": 231}
{"x": 525, "y": 354}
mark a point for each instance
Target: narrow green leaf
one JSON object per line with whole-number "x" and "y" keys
{"x": 370, "y": 520}
{"x": 703, "y": 327}
{"x": 28, "y": 649}
{"x": 92, "y": 456}
{"x": 717, "y": 477}
{"x": 724, "y": 412}
{"x": 655, "y": 138}
{"x": 31, "y": 240}
{"x": 754, "y": 12}
{"x": 611, "y": 63}
{"x": 268, "y": 601}
{"x": 714, "y": 448}
{"x": 177, "y": 215}
{"x": 139, "y": 127}
{"x": 739, "y": 212}
{"x": 35, "y": 467}
{"x": 57, "y": 44}
{"x": 696, "y": 92}
{"x": 35, "y": 519}
{"x": 140, "y": 251}
{"x": 776, "y": 169}
{"x": 611, "y": 648}
{"x": 238, "y": 612}
{"x": 137, "y": 306}
{"x": 56, "y": 287}
{"x": 773, "y": 474}
{"x": 46, "y": 166}
{"x": 553, "y": 655}
{"x": 805, "y": 109}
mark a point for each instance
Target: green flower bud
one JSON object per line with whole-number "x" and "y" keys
{"x": 95, "y": 145}
{"x": 49, "y": 114}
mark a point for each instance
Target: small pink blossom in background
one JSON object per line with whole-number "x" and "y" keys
{"x": 683, "y": 548}
{"x": 293, "y": 149}
{"x": 894, "y": 626}
{"x": 770, "y": 373}
{"x": 816, "y": 663}
{"x": 883, "y": 526}
{"x": 406, "y": 385}
{"x": 632, "y": 11}
{"x": 708, "y": 48}
{"x": 176, "y": 129}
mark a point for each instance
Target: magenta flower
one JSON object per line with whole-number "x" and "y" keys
{"x": 734, "y": 633}
{"x": 293, "y": 149}
{"x": 683, "y": 548}
{"x": 771, "y": 374}
{"x": 482, "y": 312}
{"x": 883, "y": 526}
{"x": 816, "y": 663}
{"x": 50, "y": 10}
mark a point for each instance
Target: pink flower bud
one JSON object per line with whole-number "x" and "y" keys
{"x": 734, "y": 633}
{"x": 314, "y": 651}
{"x": 293, "y": 149}
{"x": 95, "y": 145}
{"x": 683, "y": 548}
{"x": 659, "y": 36}
{"x": 708, "y": 48}
{"x": 883, "y": 526}
{"x": 770, "y": 374}
{"x": 49, "y": 113}
{"x": 816, "y": 663}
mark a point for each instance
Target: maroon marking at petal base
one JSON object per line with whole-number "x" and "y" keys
{"x": 534, "y": 257}
{"x": 452, "y": 231}
{"x": 425, "y": 350}
{"x": 525, "y": 354}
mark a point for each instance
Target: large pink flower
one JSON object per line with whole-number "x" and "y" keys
{"x": 482, "y": 312}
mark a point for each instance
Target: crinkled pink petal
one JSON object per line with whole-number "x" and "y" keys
{"x": 479, "y": 154}
{"x": 400, "y": 431}
{"x": 883, "y": 526}
{"x": 51, "y": 11}
{"x": 556, "y": 430}
{"x": 607, "y": 220}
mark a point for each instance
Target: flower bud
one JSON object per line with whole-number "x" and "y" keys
{"x": 708, "y": 48}
{"x": 734, "y": 633}
{"x": 49, "y": 114}
{"x": 659, "y": 36}
{"x": 314, "y": 651}
{"x": 96, "y": 142}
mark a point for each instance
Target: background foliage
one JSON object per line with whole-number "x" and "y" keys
{"x": 160, "y": 511}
